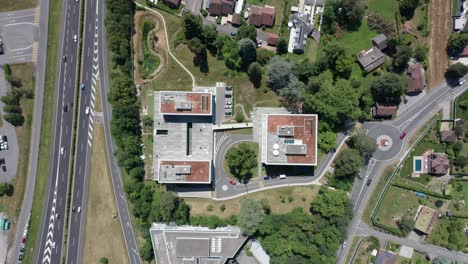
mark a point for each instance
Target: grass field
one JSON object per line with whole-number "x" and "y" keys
{"x": 242, "y": 131}
{"x": 385, "y": 8}
{"x": 103, "y": 235}
{"x": 10, "y": 5}
{"x": 363, "y": 253}
{"x": 11, "y": 204}
{"x": 46, "y": 129}
{"x": 418, "y": 258}
{"x": 277, "y": 198}
{"x": 395, "y": 206}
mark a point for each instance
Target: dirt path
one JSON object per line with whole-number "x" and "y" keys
{"x": 160, "y": 48}
{"x": 439, "y": 28}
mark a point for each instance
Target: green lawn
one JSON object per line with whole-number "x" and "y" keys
{"x": 356, "y": 41}
{"x": 395, "y": 205}
{"x": 149, "y": 102}
{"x": 46, "y": 130}
{"x": 459, "y": 193}
{"x": 280, "y": 5}
{"x": 256, "y": 2}
{"x": 418, "y": 258}
{"x": 242, "y": 131}
{"x": 385, "y": 8}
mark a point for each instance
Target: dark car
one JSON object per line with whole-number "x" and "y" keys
{"x": 22, "y": 249}
{"x": 369, "y": 181}
{"x": 73, "y": 209}
{"x": 402, "y": 136}
{"x": 5, "y": 138}
{"x": 65, "y": 108}
{"x": 1, "y": 49}
{"x": 233, "y": 33}
{"x": 2, "y": 161}
{"x": 64, "y": 58}
{"x": 82, "y": 86}
{"x": 20, "y": 257}
{"x": 266, "y": 178}
{"x": 4, "y": 168}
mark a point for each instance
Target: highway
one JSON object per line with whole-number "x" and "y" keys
{"x": 85, "y": 122}
{"x": 51, "y": 233}
{"x": 410, "y": 122}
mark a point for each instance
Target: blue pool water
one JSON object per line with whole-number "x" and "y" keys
{"x": 418, "y": 165}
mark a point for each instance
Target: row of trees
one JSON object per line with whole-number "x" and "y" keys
{"x": 12, "y": 99}
{"x": 6, "y": 189}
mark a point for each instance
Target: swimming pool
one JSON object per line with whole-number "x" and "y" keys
{"x": 418, "y": 165}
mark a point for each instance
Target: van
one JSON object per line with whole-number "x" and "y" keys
{"x": 283, "y": 176}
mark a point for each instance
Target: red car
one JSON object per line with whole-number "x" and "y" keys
{"x": 23, "y": 240}
{"x": 233, "y": 182}
{"x": 402, "y": 136}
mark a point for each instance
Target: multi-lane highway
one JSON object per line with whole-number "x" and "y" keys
{"x": 51, "y": 234}
{"x": 85, "y": 121}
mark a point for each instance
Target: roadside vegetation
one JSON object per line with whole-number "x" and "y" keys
{"x": 363, "y": 253}
{"x": 103, "y": 233}
{"x": 6, "y": 5}
{"x": 150, "y": 62}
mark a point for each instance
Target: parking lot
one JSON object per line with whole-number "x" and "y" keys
{"x": 10, "y": 155}
{"x": 18, "y": 33}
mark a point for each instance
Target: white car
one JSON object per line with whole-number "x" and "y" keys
{"x": 87, "y": 110}
{"x": 75, "y": 38}
{"x": 79, "y": 209}
{"x": 53, "y": 245}
{"x": 462, "y": 81}
{"x": 61, "y": 150}
{"x": 343, "y": 245}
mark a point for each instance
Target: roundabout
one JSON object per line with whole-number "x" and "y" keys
{"x": 388, "y": 141}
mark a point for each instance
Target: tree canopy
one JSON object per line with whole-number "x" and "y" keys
{"x": 293, "y": 92}
{"x": 241, "y": 160}
{"x": 456, "y": 70}
{"x": 348, "y": 164}
{"x": 329, "y": 204}
{"x": 326, "y": 141}
{"x": 255, "y": 74}
{"x": 348, "y": 13}
{"x": 388, "y": 89}
{"x": 247, "y": 51}
{"x": 279, "y": 73}
{"x": 247, "y": 31}
{"x": 250, "y": 216}
{"x": 457, "y": 43}
{"x": 401, "y": 58}
{"x": 407, "y": 7}
{"x": 362, "y": 143}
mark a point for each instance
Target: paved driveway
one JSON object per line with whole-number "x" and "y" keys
{"x": 18, "y": 33}
{"x": 10, "y": 155}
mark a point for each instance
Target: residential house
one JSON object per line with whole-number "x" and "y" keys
{"x": 385, "y": 257}
{"x": 448, "y": 136}
{"x": 262, "y": 16}
{"x": 384, "y": 111}
{"x": 417, "y": 79}
{"x": 236, "y": 20}
{"x": 221, "y": 7}
{"x": 459, "y": 16}
{"x": 437, "y": 163}
{"x": 300, "y": 30}
{"x": 380, "y": 41}
{"x": 172, "y": 3}
{"x": 272, "y": 39}
{"x": 371, "y": 59}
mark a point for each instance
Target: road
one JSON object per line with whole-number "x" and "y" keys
{"x": 51, "y": 233}
{"x": 410, "y": 122}
{"x": 18, "y": 33}
{"x": 35, "y": 130}
{"x": 84, "y": 128}
{"x": 117, "y": 183}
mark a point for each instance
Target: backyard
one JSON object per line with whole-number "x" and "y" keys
{"x": 281, "y": 200}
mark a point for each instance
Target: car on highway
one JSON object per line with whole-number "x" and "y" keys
{"x": 87, "y": 110}
{"x": 82, "y": 86}
{"x": 232, "y": 182}
{"x": 343, "y": 245}
{"x": 61, "y": 150}
{"x": 369, "y": 181}
{"x": 73, "y": 209}
{"x": 403, "y": 135}
{"x": 23, "y": 240}
{"x": 65, "y": 108}
{"x": 53, "y": 245}
{"x": 57, "y": 215}
{"x": 75, "y": 38}
{"x": 64, "y": 58}
{"x": 79, "y": 209}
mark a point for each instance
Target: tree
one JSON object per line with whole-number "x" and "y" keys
{"x": 407, "y": 7}
{"x": 461, "y": 161}
{"x": 196, "y": 46}
{"x": 305, "y": 70}
{"x": 456, "y": 70}
{"x": 230, "y": 52}
{"x": 255, "y": 74}
{"x": 343, "y": 66}
{"x": 247, "y": 31}
{"x": 401, "y": 58}
{"x": 208, "y": 36}
{"x": 293, "y": 91}
{"x": 250, "y": 216}
{"x": 443, "y": 260}
{"x": 387, "y": 89}
{"x": 104, "y": 260}
{"x": 457, "y": 147}
{"x": 193, "y": 26}
{"x": 15, "y": 119}
{"x": 146, "y": 251}
{"x": 348, "y": 164}
{"x": 406, "y": 225}
{"x": 241, "y": 160}
{"x": 279, "y": 73}
{"x": 349, "y": 13}
{"x": 329, "y": 204}
{"x": 456, "y": 43}
{"x": 281, "y": 46}
{"x": 362, "y": 143}
{"x": 6, "y": 189}
{"x": 147, "y": 121}
{"x": 248, "y": 51}
{"x": 326, "y": 141}
{"x": 420, "y": 52}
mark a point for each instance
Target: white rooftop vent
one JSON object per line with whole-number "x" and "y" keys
{"x": 275, "y": 153}
{"x": 275, "y": 146}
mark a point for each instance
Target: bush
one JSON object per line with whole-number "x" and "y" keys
{"x": 6, "y": 189}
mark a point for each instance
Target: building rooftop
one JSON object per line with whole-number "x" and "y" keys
{"x": 175, "y": 171}
{"x": 425, "y": 219}
{"x": 448, "y": 136}
{"x": 185, "y": 103}
{"x": 384, "y": 110}
{"x": 417, "y": 78}
{"x": 195, "y": 245}
{"x": 371, "y": 59}
{"x": 289, "y": 139}
{"x": 438, "y": 163}
{"x": 385, "y": 257}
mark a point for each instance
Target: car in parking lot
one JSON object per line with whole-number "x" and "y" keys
{"x": 4, "y": 168}
{"x": 228, "y": 102}
{"x": 228, "y": 113}
{"x": 233, "y": 33}
{"x": 232, "y": 182}
{"x": 266, "y": 178}
{"x": 228, "y": 88}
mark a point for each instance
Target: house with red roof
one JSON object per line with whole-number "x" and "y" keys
{"x": 417, "y": 79}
